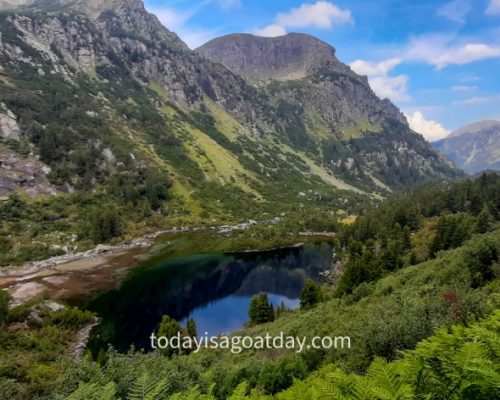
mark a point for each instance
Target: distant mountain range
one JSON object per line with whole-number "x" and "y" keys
{"x": 474, "y": 147}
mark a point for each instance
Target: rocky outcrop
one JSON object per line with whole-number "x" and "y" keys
{"x": 9, "y": 128}
{"x": 322, "y": 88}
{"x": 25, "y": 173}
{"x": 10, "y": 4}
{"x": 289, "y": 57}
{"x": 121, "y": 37}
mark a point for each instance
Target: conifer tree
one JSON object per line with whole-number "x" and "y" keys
{"x": 309, "y": 296}
{"x": 169, "y": 328}
{"x": 191, "y": 329}
{"x": 260, "y": 311}
{"x": 483, "y": 223}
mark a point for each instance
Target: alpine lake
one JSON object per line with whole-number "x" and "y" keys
{"x": 199, "y": 275}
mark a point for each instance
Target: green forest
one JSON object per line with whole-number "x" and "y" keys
{"x": 418, "y": 294}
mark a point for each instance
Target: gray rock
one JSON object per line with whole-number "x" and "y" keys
{"x": 25, "y": 173}
{"x": 9, "y": 128}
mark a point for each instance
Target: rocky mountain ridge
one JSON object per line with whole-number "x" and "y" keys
{"x": 108, "y": 71}
{"x": 474, "y": 147}
{"x": 289, "y": 57}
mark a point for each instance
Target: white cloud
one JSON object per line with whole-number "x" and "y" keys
{"x": 468, "y": 54}
{"x": 431, "y": 130}
{"x": 368, "y": 68}
{"x": 464, "y": 88}
{"x": 455, "y": 10}
{"x": 172, "y": 19}
{"x": 227, "y": 4}
{"x": 493, "y": 7}
{"x": 177, "y": 20}
{"x": 476, "y": 100}
{"x": 322, "y": 15}
{"x": 444, "y": 50}
{"x": 271, "y": 31}
{"x": 393, "y": 88}
{"x": 385, "y": 86}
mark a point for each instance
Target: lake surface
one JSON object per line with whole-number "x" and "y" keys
{"x": 213, "y": 288}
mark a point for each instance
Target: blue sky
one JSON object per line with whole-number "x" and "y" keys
{"x": 439, "y": 61}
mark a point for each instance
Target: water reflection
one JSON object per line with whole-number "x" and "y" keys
{"x": 214, "y": 289}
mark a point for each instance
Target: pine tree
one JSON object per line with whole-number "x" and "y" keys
{"x": 483, "y": 223}
{"x": 169, "y": 328}
{"x": 260, "y": 310}
{"x": 191, "y": 329}
{"x": 406, "y": 238}
{"x": 105, "y": 225}
{"x": 281, "y": 309}
{"x": 309, "y": 296}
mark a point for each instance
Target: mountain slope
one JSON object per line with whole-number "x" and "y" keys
{"x": 118, "y": 114}
{"x": 475, "y": 147}
{"x": 327, "y": 109}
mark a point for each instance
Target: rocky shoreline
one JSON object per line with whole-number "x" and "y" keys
{"x": 69, "y": 273}
{"x": 145, "y": 241}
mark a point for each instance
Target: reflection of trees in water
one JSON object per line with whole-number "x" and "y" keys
{"x": 177, "y": 287}
{"x": 267, "y": 279}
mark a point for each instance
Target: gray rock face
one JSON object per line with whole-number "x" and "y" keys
{"x": 475, "y": 147}
{"x": 147, "y": 51}
{"x": 9, "y": 129}
{"x": 305, "y": 97}
{"x": 289, "y": 57}
{"x": 305, "y": 72}
{"x": 24, "y": 173}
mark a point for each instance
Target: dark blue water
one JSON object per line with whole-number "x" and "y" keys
{"x": 214, "y": 289}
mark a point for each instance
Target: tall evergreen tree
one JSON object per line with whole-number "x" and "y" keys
{"x": 483, "y": 223}
{"x": 309, "y": 296}
{"x": 191, "y": 329}
{"x": 169, "y": 328}
{"x": 261, "y": 310}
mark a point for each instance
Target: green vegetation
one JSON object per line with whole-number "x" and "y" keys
{"x": 310, "y": 295}
{"x": 404, "y": 297}
{"x": 131, "y": 169}
{"x": 169, "y": 328}
{"x": 31, "y": 346}
{"x": 381, "y": 241}
{"x": 260, "y": 310}
{"x": 393, "y": 314}
{"x": 461, "y": 363}
{"x": 4, "y": 307}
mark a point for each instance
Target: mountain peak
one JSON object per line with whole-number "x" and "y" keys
{"x": 288, "y": 57}
{"x": 91, "y": 7}
{"x": 474, "y": 147}
{"x": 475, "y": 127}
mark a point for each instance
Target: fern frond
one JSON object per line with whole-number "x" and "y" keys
{"x": 147, "y": 387}
{"x": 240, "y": 392}
{"x": 387, "y": 383}
{"x": 92, "y": 391}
